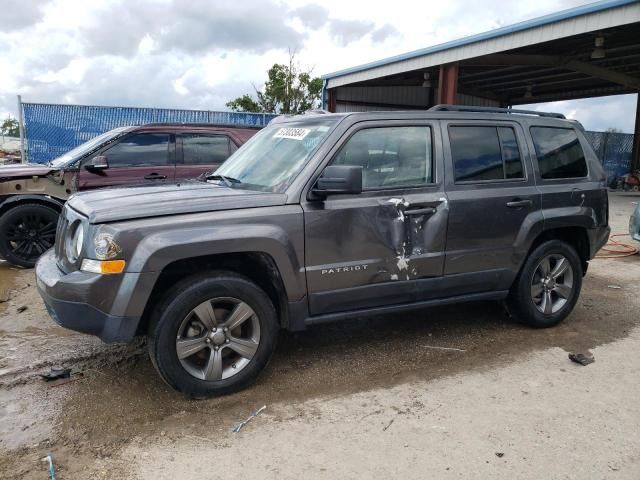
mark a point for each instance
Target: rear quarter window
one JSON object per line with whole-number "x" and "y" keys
{"x": 559, "y": 153}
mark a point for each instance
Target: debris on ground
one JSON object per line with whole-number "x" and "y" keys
{"x": 237, "y": 428}
{"x": 55, "y": 373}
{"x": 617, "y": 287}
{"x": 582, "y": 358}
{"x": 64, "y": 382}
{"x": 384, "y": 429}
{"x": 499, "y": 454}
{"x": 445, "y": 348}
{"x": 52, "y": 470}
{"x": 21, "y": 308}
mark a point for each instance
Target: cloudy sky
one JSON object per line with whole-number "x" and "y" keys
{"x": 200, "y": 54}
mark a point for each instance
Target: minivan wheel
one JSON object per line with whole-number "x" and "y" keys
{"x": 212, "y": 334}
{"x": 548, "y": 286}
{"x": 26, "y": 232}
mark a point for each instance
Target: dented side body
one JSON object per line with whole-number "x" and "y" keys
{"x": 19, "y": 182}
{"x": 341, "y": 256}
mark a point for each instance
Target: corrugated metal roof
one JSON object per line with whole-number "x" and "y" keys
{"x": 468, "y": 47}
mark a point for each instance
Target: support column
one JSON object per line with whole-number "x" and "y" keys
{"x": 448, "y": 83}
{"x": 23, "y": 156}
{"x": 332, "y": 100}
{"x": 635, "y": 155}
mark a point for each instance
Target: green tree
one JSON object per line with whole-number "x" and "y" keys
{"x": 288, "y": 90}
{"x": 10, "y": 127}
{"x": 244, "y": 104}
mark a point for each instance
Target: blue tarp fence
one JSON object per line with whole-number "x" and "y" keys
{"x": 614, "y": 151}
{"x": 52, "y": 130}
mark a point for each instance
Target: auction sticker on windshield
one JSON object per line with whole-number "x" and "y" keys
{"x": 292, "y": 133}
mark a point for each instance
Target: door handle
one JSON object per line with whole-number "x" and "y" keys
{"x": 155, "y": 176}
{"x": 420, "y": 211}
{"x": 517, "y": 203}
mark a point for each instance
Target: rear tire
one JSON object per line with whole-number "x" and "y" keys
{"x": 26, "y": 232}
{"x": 548, "y": 286}
{"x": 212, "y": 334}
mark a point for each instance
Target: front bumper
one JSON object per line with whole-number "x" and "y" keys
{"x": 69, "y": 298}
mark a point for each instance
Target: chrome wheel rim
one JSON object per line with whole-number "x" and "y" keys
{"x": 218, "y": 339}
{"x": 552, "y": 284}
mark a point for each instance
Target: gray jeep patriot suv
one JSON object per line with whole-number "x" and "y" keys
{"x": 324, "y": 217}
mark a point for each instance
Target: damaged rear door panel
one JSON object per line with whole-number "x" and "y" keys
{"x": 369, "y": 249}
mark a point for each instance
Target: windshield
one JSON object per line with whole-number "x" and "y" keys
{"x": 271, "y": 159}
{"x": 80, "y": 150}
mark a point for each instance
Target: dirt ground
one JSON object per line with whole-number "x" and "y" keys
{"x": 455, "y": 392}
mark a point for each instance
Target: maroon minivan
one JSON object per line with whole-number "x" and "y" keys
{"x": 32, "y": 195}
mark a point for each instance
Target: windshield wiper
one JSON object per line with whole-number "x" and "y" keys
{"x": 227, "y": 180}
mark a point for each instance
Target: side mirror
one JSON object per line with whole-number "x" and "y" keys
{"x": 98, "y": 162}
{"x": 337, "y": 179}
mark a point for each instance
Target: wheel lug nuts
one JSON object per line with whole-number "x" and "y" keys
{"x": 227, "y": 341}
{"x": 226, "y": 329}
{"x": 216, "y": 347}
{"x": 214, "y": 329}
{"x": 208, "y": 340}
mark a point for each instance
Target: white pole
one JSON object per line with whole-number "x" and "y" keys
{"x": 21, "y": 128}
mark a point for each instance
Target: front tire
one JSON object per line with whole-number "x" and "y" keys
{"x": 26, "y": 232}
{"x": 548, "y": 286}
{"x": 212, "y": 334}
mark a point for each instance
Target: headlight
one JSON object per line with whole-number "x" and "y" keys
{"x": 106, "y": 247}
{"x": 73, "y": 245}
{"x": 78, "y": 241}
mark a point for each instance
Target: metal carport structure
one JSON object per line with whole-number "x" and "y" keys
{"x": 589, "y": 51}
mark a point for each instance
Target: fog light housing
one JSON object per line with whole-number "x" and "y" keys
{"x": 103, "y": 267}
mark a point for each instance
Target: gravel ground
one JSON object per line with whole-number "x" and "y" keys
{"x": 377, "y": 396}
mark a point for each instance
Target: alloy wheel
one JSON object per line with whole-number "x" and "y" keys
{"x": 30, "y": 235}
{"x": 218, "y": 338}
{"x": 552, "y": 283}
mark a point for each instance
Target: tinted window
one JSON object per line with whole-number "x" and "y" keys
{"x": 510, "y": 153}
{"x": 390, "y": 157}
{"x": 140, "y": 150}
{"x": 198, "y": 149}
{"x": 485, "y": 153}
{"x": 559, "y": 153}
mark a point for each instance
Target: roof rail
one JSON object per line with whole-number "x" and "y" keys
{"x": 196, "y": 124}
{"x": 465, "y": 108}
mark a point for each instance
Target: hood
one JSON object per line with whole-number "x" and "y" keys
{"x": 115, "y": 204}
{"x": 21, "y": 170}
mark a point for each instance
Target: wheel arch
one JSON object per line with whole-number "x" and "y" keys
{"x": 575, "y": 236}
{"x": 10, "y": 202}
{"x": 258, "y": 267}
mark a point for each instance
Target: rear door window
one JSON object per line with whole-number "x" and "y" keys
{"x": 559, "y": 153}
{"x": 203, "y": 149}
{"x": 139, "y": 150}
{"x": 482, "y": 153}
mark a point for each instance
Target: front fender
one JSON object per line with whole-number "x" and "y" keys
{"x": 156, "y": 251}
